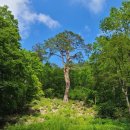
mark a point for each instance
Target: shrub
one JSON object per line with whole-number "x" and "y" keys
{"x": 83, "y": 94}
{"x": 106, "y": 109}
{"x": 49, "y": 93}
{"x": 78, "y": 93}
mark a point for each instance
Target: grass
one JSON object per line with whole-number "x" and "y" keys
{"x": 53, "y": 114}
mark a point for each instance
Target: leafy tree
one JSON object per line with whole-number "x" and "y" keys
{"x": 52, "y": 80}
{"x": 38, "y": 48}
{"x": 118, "y": 24}
{"x": 33, "y": 70}
{"x": 19, "y": 69}
{"x": 68, "y": 47}
{"x": 81, "y": 75}
{"x": 110, "y": 60}
{"x": 9, "y": 55}
{"x": 118, "y": 21}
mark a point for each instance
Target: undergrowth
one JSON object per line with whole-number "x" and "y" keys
{"x": 53, "y": 114}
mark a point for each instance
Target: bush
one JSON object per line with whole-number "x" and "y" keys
{"x": 107, "y": 109}
{"x": 83, "y": 94}
{"x": 11, "y": 96}
{"x": 78, "y": 93}
{"x": 49, "y": 93}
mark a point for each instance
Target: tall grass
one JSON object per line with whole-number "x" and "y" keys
{"x": 58, "y": 122}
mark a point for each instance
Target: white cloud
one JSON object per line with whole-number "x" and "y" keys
{"x": 95, "y": 6}
{"x": 48, "y": 21}
{"x": 23, "y": 12}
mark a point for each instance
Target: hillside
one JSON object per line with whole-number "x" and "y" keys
{"x": 54, "y": 114}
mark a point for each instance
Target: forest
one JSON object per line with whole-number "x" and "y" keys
{"x": 90, "y": 91}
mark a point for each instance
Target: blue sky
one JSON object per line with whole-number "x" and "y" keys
{"x": 42, "y": 19}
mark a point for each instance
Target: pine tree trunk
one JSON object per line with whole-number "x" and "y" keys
{"x": 67, "y": 81}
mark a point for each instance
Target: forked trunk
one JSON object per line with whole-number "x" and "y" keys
{"x": 67, "y": 81}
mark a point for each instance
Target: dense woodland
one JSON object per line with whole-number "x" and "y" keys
{"x": 97, "y": 74}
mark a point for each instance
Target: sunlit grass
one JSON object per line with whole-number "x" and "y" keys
{"x": 58, "y": 122}
{"x": 56, "y": 115}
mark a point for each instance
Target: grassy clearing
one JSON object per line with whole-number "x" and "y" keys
{"x": 56, "y": 115}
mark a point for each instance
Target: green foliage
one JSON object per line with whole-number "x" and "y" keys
{"x": 33, "y": 70}
{"x": 110, "y": 62}
{"x": 81, "y": 75}
{"x": 118, "y": 21}
{"x": 16, "y": 91}
{"x": 103, "y": 80}
{"x": 19, "y": 69}
{"x": 57, "y": 115}
{"x": 38, "y": 48}
{"x": 53, "y": 79}
{"x": 106, "y": 109}
{"x": 9, "y": 62}
{"x": 49, "y": 93}
{"x": 69, "y": 47}
{"x": 65, "y": 45}
{"x": 62, "y": 123}
{"x": 78, "y": 93}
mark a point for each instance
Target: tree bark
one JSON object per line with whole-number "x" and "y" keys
{"x": 128, "y": 103}
{"x": 127, "y": 99}
{"x": 67, "y": 81}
